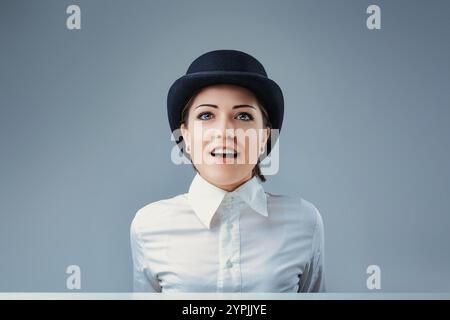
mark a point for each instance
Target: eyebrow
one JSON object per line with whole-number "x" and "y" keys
{"x": 235, "y": 107}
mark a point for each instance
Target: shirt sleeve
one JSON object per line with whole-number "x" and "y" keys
{"x": 142, "y": 281}
{"x": 313, "y": 278}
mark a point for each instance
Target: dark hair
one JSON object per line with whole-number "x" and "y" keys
{"x": 184, "y": 119}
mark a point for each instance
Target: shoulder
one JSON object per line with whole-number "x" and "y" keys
{"x": 155, "y": 214}
{"x": 297, "y": 207}
{"x": 310, "y": 209}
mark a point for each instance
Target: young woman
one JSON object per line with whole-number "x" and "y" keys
{"x": 226, "y": 234}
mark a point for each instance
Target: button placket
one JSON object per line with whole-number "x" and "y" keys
{"x": 229, "y": 278}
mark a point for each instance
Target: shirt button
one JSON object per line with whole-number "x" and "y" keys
{"x": 229, "y": 264}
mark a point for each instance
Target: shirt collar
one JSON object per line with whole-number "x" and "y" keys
{"x": 205, "y": 198}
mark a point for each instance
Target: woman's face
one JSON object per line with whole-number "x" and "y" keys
{"x": 225, "y": 134}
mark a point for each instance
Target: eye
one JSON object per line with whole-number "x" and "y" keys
{"x": 244, "y": 116}
{"x": 204, "y": 115}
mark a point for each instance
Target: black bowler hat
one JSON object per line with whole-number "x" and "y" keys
{"x": 229, "y": 67}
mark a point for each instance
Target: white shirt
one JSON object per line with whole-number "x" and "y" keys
{"x": 211, "y": 240}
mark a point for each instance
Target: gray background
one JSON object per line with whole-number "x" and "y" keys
{"x": 85, "y": 142}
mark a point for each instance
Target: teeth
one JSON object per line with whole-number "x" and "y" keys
{"x": 224, "y": 152}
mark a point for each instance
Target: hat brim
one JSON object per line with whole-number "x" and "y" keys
{"x": 266, "y": 90}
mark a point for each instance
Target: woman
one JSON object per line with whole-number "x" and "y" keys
{"x": 226, "y": 234}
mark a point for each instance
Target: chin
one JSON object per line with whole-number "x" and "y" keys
{"x": 225, "y": 174}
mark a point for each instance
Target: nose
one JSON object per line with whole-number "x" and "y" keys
{"x": 225, "y": 128}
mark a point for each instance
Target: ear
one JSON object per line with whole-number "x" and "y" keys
{"x": 265, "y": 136}
{"x": 268, "y": 131}
{"x": 186, "y": 136}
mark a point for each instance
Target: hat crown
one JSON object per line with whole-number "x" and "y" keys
{"x": 226, "y": 60}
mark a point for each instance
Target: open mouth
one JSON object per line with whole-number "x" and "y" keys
{"x": 224, "y": 153}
